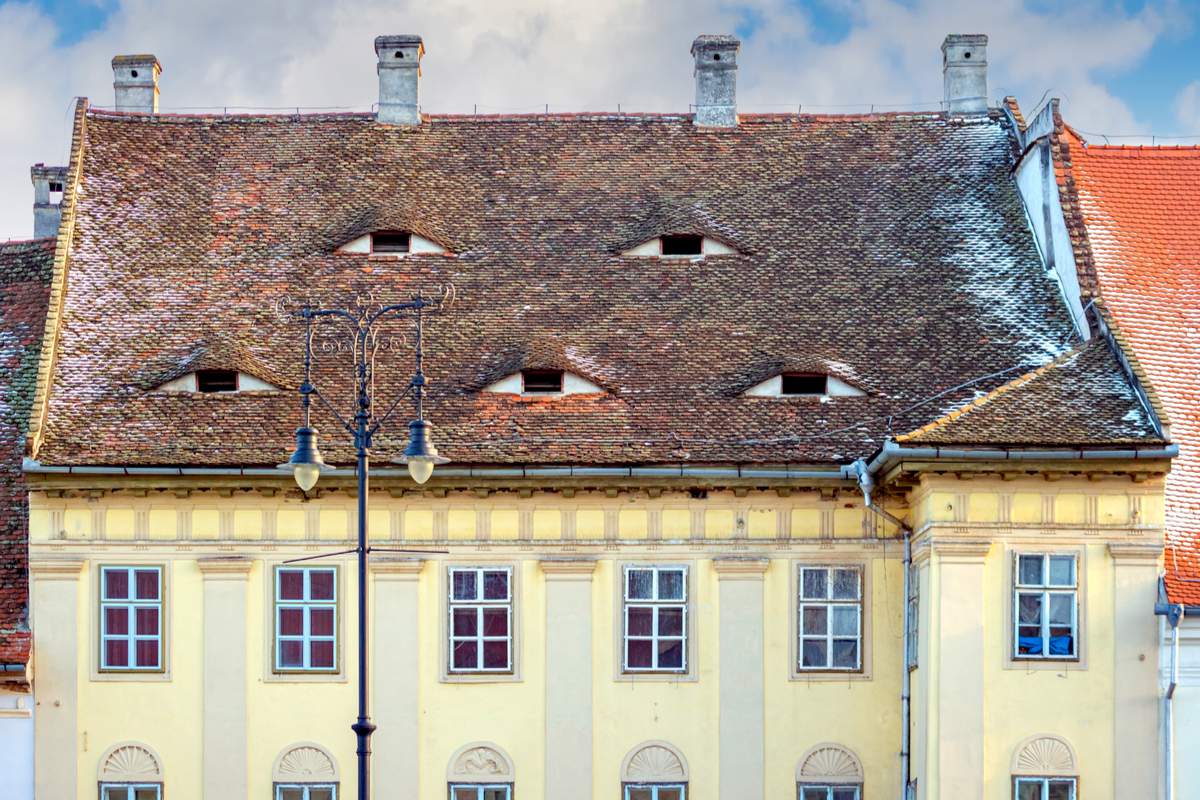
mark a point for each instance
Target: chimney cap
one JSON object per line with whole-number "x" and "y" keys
{"x": 401, "y": 40}
{"x": 138, "y": 60}
{"x": 952, "y": 39}
{"x": 40, "y": 171}
{"x": 716, "y": 41}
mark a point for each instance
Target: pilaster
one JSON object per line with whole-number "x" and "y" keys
{"x": 55, "y": 620}
{"x": 741, "y": 725}
{"x": 394, "y": 676}
{"x": 225, "y": 770}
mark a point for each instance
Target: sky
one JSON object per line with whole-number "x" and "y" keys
{"x": 1123, "y": 68}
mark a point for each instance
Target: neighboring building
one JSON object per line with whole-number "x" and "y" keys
{"x": 24, "y": 289}
{"x": 1131, "y": 218}
{"x": 695, "y": 364}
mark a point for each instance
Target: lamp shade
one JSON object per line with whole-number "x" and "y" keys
{"x": 420, "y": 455}
{"x": 306, "y": 463}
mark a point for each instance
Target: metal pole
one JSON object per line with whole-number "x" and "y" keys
{"x": 363, "y": 728}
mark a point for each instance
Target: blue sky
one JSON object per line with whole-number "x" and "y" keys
{"x": 1120, "y": 66}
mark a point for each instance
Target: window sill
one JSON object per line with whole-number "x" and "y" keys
{"x": 829, "y": 676}
{"x": 1075, "y": 664}
{"x": 305, "y": 677}
{"x": 657, "y": 677}
{"x": 481, "y": 677}
{"x": 131, "y": 676}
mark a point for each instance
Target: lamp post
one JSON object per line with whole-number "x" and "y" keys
{"x": 306, "y": 463}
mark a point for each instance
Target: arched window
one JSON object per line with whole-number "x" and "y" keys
{"x": 1045, "y": 768}
{"x": 480, "y": 771}
{"x": 305, "y": 771}
{"x": 829, "y": 772}
{"x": 130, "y": 771}
{"x": 654, "y": 771}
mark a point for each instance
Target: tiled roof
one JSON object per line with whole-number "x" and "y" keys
{"x": 24, "y": 288}
{"x": 893, "y": 249}
{"x": 1136, "y": 218}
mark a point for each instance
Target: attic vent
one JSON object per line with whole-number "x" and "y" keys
{"x": 542, "y": 381}
{"x": 390, "y": 242}
{"x": 216, "y": 380}
{"x": 682, "y": 244}
{"x": 800, "y": 383}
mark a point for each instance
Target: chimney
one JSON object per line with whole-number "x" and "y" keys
{"x": 399, "y": 78}
{"x": 135, "y": 83}
{"x": 964, "y": 72}
{"x": 48, "y": 183}
{"x": 716, "y": 80}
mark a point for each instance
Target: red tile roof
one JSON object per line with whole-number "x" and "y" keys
{"x": 24, "y": 289}
{"x": 1136, "y": 217}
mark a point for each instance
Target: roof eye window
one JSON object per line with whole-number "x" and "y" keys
{"x": 541, "y": 381}
{"x": 216, "y": 380}
{"x": 798, "y": 383}
{"x": 390, "y": 243}
{"x": 682, "y": 244}
{"x": 804, "y": 384}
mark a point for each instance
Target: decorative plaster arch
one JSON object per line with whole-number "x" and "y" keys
{"x": 130, "y": 762}
{"x": 1045, "y": 754}
{"x": 829, "y": 763}
{"x": 478, "y": 760}
{"x": 654, "y": 762}
{"x": 304, "y": 762}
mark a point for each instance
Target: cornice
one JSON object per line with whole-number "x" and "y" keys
{"x": 56, "y": 569}
{"x": 225, "y": 567}
{"x": 566, "y": 569}
{"x": 744, "y": 568}
{"x": 1142, "y": 553}
{"x": 396, "y": 569}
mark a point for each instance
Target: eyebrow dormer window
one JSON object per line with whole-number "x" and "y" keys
{"x": 804, "y": 384}
{"x": 682, "y": 244}
{"x": 389, "y": 243}
{"x": 216, "y": 380}
{"x": 541, "y": 381}
{"x": 798, "y": 383}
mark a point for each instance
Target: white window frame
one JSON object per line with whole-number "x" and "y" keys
{"x": 913, "y": 610}
{"x": 655, "y": 787}
{"x": 1046, "y": 590}
{"x": 829, "y": 603}
{"x": 479, "y": 604}
{"x": 131, "y": 605}
{"x": 655, "y": 604}
{"x": 829, "y": 788}
{"x": 480, "y": 788}
{"x": 1045, "y": 782}
{"x": 305, "y": 787}
{"x": 307, "y": 605}
{"x": 130, "y": 790}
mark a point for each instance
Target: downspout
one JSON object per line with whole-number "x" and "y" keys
{"x": 1174, "y": 615}
{"x": 865, "y": 482}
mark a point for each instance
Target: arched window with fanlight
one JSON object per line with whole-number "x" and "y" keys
{"x": 1045, "y": 768}
{"x": 829, "y": 772}
{"x": 305, "y": 771}
{"x": 480, "y": 771}
{"x": 130, "y": 771}
{"x": 654, "y": 771}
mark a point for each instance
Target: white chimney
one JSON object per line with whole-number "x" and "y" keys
{"x": 48, "y": 183}
{"x": 964, "y": 73}
{"x": 399, "y": 78}
{"x": 716, "y": 80}
{"x": 135, "y": 83}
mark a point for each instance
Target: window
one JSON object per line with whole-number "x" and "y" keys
{"x": 480, "y": 791}
{"x": 830, "y": 618}
{"x": 913, "y": 610}
{"x": 682, "y": 244}
{"x": 131, "y": 618}
{"x": 656, "y": 791}
{"x": 216, "y": 380}
{"x": 305, "y": 791}
{"x": 655, "y": 619}
{"x": 305, "y": 619}
{"x": 481, "y": 620}
{"x": 390, "y": 242}
{"x": 1044, "y": 789}
{"x": 799, "y": 383}
{"x": 1046, "y": 607}
{"x": 539, "y": 381}
{"x": 830, "y": 792}
{"x": 130, "y": 791}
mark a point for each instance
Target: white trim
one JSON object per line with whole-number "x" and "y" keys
{"x": 655, "y": 603}
{"x": 1044, "y": 592}
{"x": 306, "y": 605}
{"x": 479, "y": 603}
{"x": 830, "y": 604}
{"x": 131, "y": 604}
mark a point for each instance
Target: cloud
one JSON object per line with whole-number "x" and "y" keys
{"x": 514, "y": 55}
{"x": 1187, "y": 107}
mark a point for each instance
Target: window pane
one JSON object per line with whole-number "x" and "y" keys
{"x": 845, "y": 584}
{"x": 639, "y": 654}
{"x": 670, "y": 793}
{"x": 147, "y": 652}
{"x": 464, "y": 586}
{"x": 291, "y": 654}
{"x": 320, "y": 622}
{"x": 1061, "y": 790}
{"x": 320, "y": 584}
{"x": 1029, "y": 641}
{"x": 1029, "y": 790}
{"x": 116, "y": 653}
{"x": 466, "y": 655}
{"x": 670, "y": 654}
{"x": 1062, "y": 642}
{"x": 1062, "y": 570}
{"x": 466, "y": 793}
{"x": 291, "y": 793}
{"x": 496, "y": 793}
{"x": 495, "y": 655}
{"x": 670, "y": 622}
{"x": 147, "y": 584}
{"x": 845, "y": 653}
{"x": 291, "y": 621}
{"x": 845, "y": 793}
{"x": 322, "y": 655}
{"x": 640, "y": 584}
{"x": 639, "y": 793}
{"x": 816, "y": 620}
{"x": 1061, "y": 608}
{"x": 147, "y": 621}
{"x": 495, "y": 622}
{"x": 146, "y": 793}
{"x": 291, "y": 584}
{"x": 670, "y": 585}
{"x": 114, "y": 793}
{"x": 320, "y": 793}
{"x": 814, "y": 584}
{"x": 845, "y": 621}
{"x": 466, "y": 622}
{"x": 1030, "y": 570}
{"x": 116, "y": 620}
{"x": 1029, "y": 609}
{"x": 116, "y": 584}
{"x": 814, "y": 653}
{"x": 641, "y": 621}
{"x": 495, "y": 586}
{"x": 815, "y": 793}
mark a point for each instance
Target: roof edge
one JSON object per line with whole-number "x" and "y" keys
{"x": 1106, "y": 326}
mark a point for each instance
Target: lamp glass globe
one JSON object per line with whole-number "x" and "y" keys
{"x": 306, "y": 476}
{"x": 420, "y": 468}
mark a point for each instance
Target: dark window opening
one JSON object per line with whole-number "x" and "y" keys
{"x": 540, "y": 381}
{"x": 216, "y": 380}
{"x": 682, "y": 244}
{"x": 389, "y": 242}
{"x": 55, "y": 186}
{"x": 800, "y": 383}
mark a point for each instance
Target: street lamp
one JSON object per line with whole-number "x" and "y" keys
{"x": 306, "y": 463}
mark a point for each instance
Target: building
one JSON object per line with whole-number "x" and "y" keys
{"x": 1131, "y": 219}
{"x": 779, "y": 462}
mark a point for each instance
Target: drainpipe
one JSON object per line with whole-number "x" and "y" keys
{"x": 866, "y": 483}
{"x": 1174, "y": 614}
